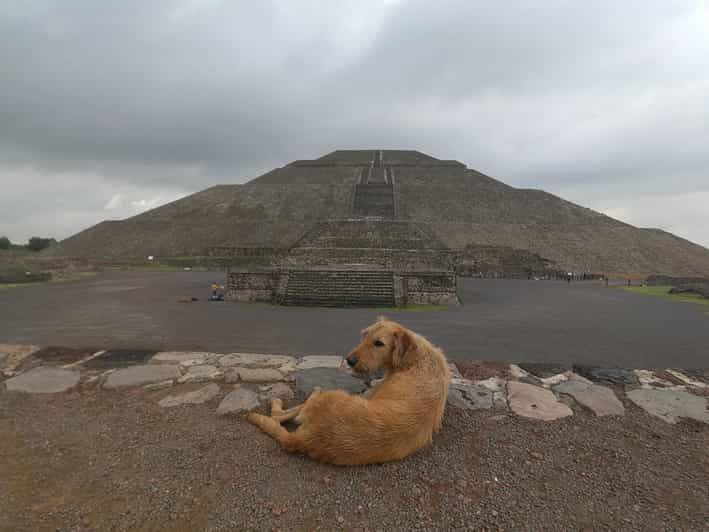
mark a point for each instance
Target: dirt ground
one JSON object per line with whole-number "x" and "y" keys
{"x": 117, "y": 461}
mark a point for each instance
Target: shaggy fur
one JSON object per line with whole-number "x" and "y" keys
{"x": 400, "y": 417}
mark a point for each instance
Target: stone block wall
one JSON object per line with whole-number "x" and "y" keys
{"x": 409, "y": 288}
{"x": 250, "y": 286}
{"x": 427, "y": 288}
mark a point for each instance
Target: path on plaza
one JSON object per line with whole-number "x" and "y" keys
{"x": 502, "y": 320}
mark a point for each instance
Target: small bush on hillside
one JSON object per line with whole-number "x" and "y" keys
{"x": 5, "y": 242}
{"x": 38, "y": 244}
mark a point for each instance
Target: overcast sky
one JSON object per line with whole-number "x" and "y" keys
{"x": 111, "y": 108}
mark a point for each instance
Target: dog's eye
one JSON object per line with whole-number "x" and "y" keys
{"x": 378, "y": 343}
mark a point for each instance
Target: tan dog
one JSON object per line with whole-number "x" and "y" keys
{"x": 400, "y": 417}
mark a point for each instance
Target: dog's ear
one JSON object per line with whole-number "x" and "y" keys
{"x": 403, "y": 343}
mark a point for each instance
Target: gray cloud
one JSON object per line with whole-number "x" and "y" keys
{"x": 604, "y": 103}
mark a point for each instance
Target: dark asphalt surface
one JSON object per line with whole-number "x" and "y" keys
{"x": 545, "y": 321}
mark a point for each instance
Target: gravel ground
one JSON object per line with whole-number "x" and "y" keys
{"x": 117, "y": 461}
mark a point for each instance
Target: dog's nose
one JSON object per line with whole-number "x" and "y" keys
{"x": 351, "y": 360}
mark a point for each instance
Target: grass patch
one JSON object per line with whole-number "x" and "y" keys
{"x": 664, "y": 292}
{"x": 56, "y": 278}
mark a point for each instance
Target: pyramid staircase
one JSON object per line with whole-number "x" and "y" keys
{"x": 329, "y": 288}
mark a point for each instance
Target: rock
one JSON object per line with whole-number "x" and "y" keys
{"x": 531, "y": 380}
{"x": 139, "y": 375}
{"x": 11, "y": 355}
{"x": 237, "y": 401}
{"x": 454, "y": 372}
{"x": 185, "y": 364}
{"x": 670, "y": 405}
{"x": 548, "y": 382}
{"x": 280, "y": 390}
{"x": 287, "y": 368}
{"x": 178, "y": 357}
{"x": 44, "y": 380}
{"x": 621, "y": 376}
{"x": 200, "y": 396}
{"x": 481, "y": 369}
{"x": 315, "y": 361}
{"x": 255, "y": 360}
{"x": 327, "y": 379}
{"x": 470, "y": 396}
{"x": 689, "y": 379}
{"x": 601, "y": 400}
{"x": 672, "y": 377}
{"x": 231, "y": 376}
{"x": 516, "y": 372}
{"x": 648, "y": 379}
{"x": 259, "y": 375}
{"x": 538, "y": 403}
{"x": 159, "y": 385}
{"x": 544, "y": 370}
{"x": 200, "y": 374}
{"x": 498, "y": 387}
{"x": 701, "y": 375}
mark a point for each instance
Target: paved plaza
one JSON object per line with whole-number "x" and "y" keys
{"x": 505, "y": 320}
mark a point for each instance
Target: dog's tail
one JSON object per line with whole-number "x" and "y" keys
{"x": 273, "y": 428}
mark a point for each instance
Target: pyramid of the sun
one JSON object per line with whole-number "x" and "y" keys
{"x": 391, "y": 208}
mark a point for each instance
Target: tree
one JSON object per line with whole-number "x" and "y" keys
{"x": 38, "y": 244}
{"x": 5, "y": 242}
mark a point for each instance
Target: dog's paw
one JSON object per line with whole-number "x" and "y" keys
{"x": 276, "y": 404}
{"x": 253, "y": 417}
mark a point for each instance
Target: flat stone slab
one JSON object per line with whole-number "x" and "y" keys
{"x": 201, "y": 373}
{"x": 239, "y": 400}
{"x": 470, "y": 396}
{"x": 139, "y": 375}
{"x": 701, "y": 375}
{"x": 316, "y": 361}
{"x": 255, "y": 360}
{"x": 534, "y": 402}
{"x": 259, "y": 375}
{"x": 280, "y": 390}
{"x": 600, "y": 399}
{"x": 44, "y": 379}
{"x": 118, "y": 358}
{"x": 544, "y": 370}
{"x": 625, "y": 377}
{"x": 670, "y": 405}
{"x": 197, "y": 397}
{"x": 327, "y": 379}
{"x": 178, "y": 357}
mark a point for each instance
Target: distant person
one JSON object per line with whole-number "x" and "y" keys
{"x": 215, "y": 290}
{"x": 568, "y": 277}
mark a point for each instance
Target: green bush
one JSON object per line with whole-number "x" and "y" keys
{"x": 5, "y": 242}
{"x": 38, "y": 244}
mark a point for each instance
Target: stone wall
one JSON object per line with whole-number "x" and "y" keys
{"x": 410, "y": 288}
{"x": 664, "y": 280}
{"x": 503, "y": 262}
{"x": 386, "y": 259}
{"x": 426, "y": 288}
{"x": 250, "y": 286}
